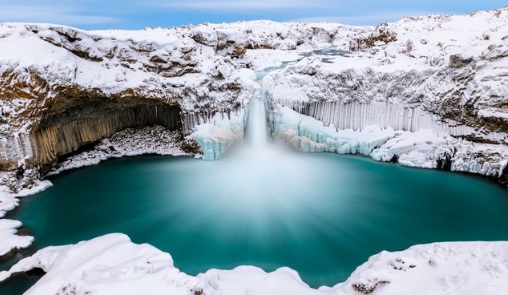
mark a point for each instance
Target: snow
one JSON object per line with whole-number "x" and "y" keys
{"x": 439, "y": 268}
{"x": 217, "y": 135}
{"x": 128, "y": 142}
{"x": 8, "y": 228}
{"x": 265, "y": 58}
{"x": 493, "y": 113}
{"x": 423, "y": 148}
{"x": 9, "y": 239}
{"x": 112, "y": 264}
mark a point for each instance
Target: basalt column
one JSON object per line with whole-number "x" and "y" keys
{"x": 65, "y": 132}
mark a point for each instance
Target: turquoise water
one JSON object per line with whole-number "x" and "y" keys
{"x": 320, "y": 214}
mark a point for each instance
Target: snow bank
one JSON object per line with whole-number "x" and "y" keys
{"x": 9, "y": 239}
{"x": 440, "y": 268}
{"x": 422, "y": 148}
{"x": 112, "y": 264}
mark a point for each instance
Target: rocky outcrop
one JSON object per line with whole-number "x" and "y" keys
{"x": 413, "y": 75}
{"x": 444, "y": 96}
{"x": 81, "y": 87}
{"x": 66, "y": 132}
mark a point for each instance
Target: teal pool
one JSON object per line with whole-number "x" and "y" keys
{"x": 320, "y": 214}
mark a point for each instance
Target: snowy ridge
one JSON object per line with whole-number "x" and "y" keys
{"x": 112, "y": 264}
{"x": 440, "y": 87}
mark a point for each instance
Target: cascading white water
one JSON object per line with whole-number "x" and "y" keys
{"x": 257, "y": 131}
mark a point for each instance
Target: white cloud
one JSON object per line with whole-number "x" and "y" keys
{"x": 371, "y": 19}
{"x": 51, "y": 14}
{"x": 231, "y": 5}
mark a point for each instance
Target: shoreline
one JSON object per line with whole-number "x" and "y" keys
{"x": 121, "y": 141}
{"x": 357, "y": 286}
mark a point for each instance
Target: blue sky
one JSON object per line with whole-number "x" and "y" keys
{"x": 128, "y": 14}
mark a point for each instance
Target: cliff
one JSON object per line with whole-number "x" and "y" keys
{"x": 435, "y": 87}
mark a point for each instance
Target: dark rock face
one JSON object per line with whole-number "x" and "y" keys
{"x": 445, "y": 162}
{"x": 49, "y": 111}
{"x": 504, "y": 177}
{"x": 66, "y": 131}
{"x": 457, "y": 61}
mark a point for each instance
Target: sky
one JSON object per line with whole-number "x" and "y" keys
{"x": 129, "y": 14}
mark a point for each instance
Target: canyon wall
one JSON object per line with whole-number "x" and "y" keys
{"x": 437, "y": 93}
{"x": 420, "y": 92}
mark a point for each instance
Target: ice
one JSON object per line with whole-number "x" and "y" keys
{"x": 310, "y": 135}
{"x": 423, "y": 148}
{"x": 216, "y": 135}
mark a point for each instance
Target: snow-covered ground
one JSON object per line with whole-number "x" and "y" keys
{"x": 112, "y": 264}
{"x": 9, "y": 239}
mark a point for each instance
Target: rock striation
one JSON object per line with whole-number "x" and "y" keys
{"x": 63, "y": 89}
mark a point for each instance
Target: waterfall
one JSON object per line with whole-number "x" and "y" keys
{"x": 257, "y": 130}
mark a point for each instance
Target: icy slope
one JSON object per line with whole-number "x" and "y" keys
{"x": 112, "y": 264}
{"x": 446, "y": 76}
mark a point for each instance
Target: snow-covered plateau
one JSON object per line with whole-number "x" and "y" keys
{"x": 428, "y": 91}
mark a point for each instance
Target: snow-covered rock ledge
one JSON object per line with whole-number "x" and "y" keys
{"x": 9, "y": 239}
{"x": 427, "y": 91}
{"x": 112, "y": 264}
{"x": 423, "y": 148}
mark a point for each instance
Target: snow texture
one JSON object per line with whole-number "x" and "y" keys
{"x": 8, "y": 228}
{"x": 112, "y": 264}
{"x": 422, "y": 148}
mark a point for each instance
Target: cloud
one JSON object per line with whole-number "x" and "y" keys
{"x": 370, "y": 19}
{"x": 51, "y": 14}
{"x": 231, "y": 5}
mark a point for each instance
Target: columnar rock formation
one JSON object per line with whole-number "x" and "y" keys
{"x": 62, "y": 88}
